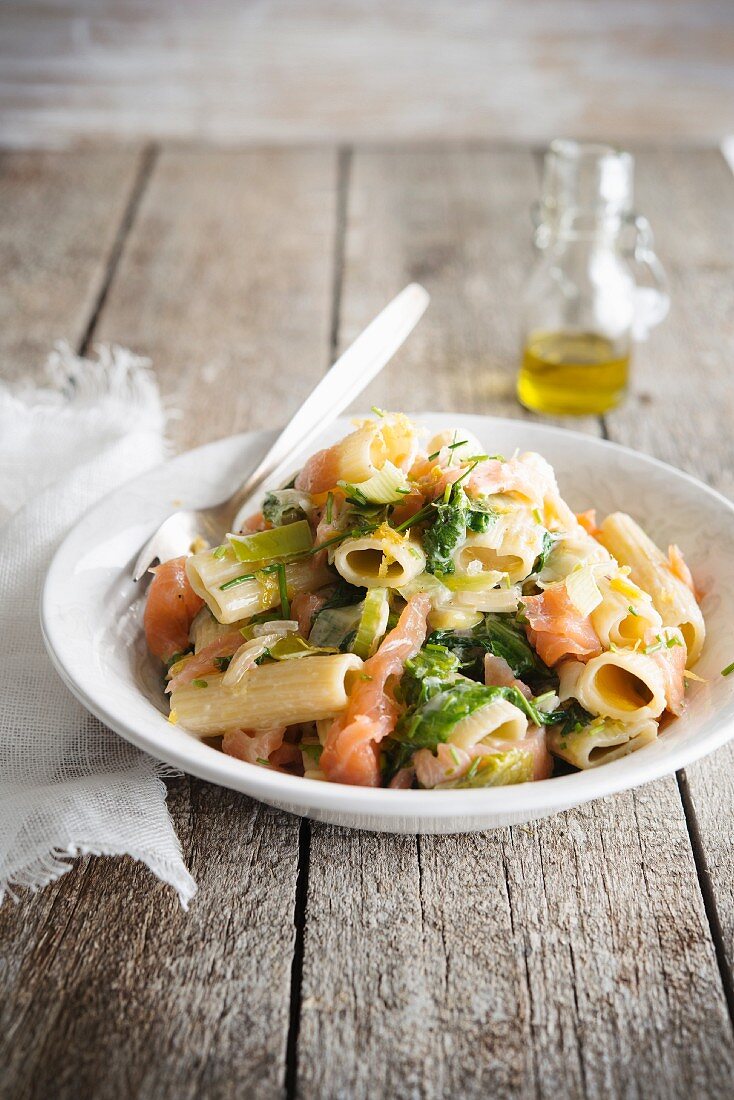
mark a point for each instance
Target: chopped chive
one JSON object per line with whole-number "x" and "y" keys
{"x": 673, "y": 641}
{"x": 262, "y": 760}
{"x": 454, "y": 755}
{"x": 377, "y": 412}
{"x": 433, "y": 456}
{"x": 285, "y": 606}
{"x": 329, "y": 506}
{"x": 419, "y": 516}
{"x": 248, "y": 577}
{"x": 451, "y": 446}
{"x": 633, "y": 612}
{"x": 536, "y": 516}
{"x": 728, "y": 670}
{"x": 469, "y": 470}
{"x": 653, "y": 648}
{"x": 473, "y": 769}
{"x": 199, "y": 683}
{"x": 219, "y": 551}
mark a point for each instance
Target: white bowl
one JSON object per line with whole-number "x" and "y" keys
{"x": 91, "y": 618}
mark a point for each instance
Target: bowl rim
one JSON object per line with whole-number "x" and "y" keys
{"x": 540, "y": 797}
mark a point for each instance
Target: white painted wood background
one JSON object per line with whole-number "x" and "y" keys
{"x": 278, "y": 71}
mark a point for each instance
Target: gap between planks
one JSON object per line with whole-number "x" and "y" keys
{"x": 146, "y": 165}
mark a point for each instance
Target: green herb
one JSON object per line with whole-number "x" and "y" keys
{"x": 431, "y": 670}
{"x": 474, "y": 767}
{"x": 431, "y": 722}
{"x": 199, "y": 683}
{"x": 378, "y": 412}
{"x": 175, "y": 658}
{"x": 503, "y": 636}
{"x": 575, "y": 718}
{"x": 329, "y": 506}
{"x": 548, "y": 544}
{"x": 537, "y": 516}
{"x": 312, "y": 751}
{"x": 262, "y": 760}
{"x": 633, "y": 612}
{"x": 728, "y": 670}
{"x": 219, "y": 551}
{"x": 354, "y": 494}
{"x": 447, "y": 531}
{"x": 222, "y": 663}
{"x": 419, "y": 517}
{"x": 673, "y": 641}
{"x": 653, "y": 648}
{"x": 249, "y": 576}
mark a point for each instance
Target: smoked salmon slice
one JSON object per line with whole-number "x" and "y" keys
{"x": 556, "y": 629}
{"x": 350, "y": 754}
{"x": 672, "y": 663}
{"x": 253, "y": 745}
{"x": 170, "y": 609}
{"x": 204, "y": 662}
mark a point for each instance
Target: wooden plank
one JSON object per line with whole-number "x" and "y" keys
{"x": 59, "y": 217}
{"x": 109, "y": 990}
{"x": 226, "y": 283}
{"x": 571, "y": 956}
{"x": 682, "y": 410}
{"x": 451, "y": 69}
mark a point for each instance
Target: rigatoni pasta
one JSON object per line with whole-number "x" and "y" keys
{"x": 428, "y": 615}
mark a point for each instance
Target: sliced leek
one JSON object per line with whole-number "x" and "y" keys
{"x": 281, "y": 542}
{"x": 372, "y": 623}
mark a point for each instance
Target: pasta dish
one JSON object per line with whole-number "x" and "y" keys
{"x": 414, "y": 612}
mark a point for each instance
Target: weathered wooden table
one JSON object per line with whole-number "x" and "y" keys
{"x": 590, "y": 954}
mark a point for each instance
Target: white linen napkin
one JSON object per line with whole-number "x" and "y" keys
{"x": 68, "y": 785}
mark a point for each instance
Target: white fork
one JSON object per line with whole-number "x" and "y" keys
{"x": 352, "y": 372}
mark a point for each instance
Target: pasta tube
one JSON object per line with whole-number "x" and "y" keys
{"x": 601, "y": 742}
{"x": 511, "y": 545}
{"x": 305, "y": 689}
{"x": 498, "y": 719}
{"x": 623, "y": 684}
{"x": 651, "y": 570}
{"x": 383, "y": 559}
{"x": 625, "y": 615}
{"x": 365, "y": 451}
{"x": 207, "y": 573}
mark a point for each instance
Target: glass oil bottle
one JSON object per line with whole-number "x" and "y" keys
{"x": 583, "y": 306}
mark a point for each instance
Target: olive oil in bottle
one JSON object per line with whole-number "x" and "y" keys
{"x": 576, "y": 373}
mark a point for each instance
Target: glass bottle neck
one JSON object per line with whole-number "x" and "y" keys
{"x": 572, "y": 225}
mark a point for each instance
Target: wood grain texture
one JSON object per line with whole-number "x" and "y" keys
{"x": 570, "y": 957}
{"x": 327, "y": 71}
{"x": 682, "y": 407}
{"x": 59, "y": 217}
{"x": 112, "y": 990}
{"x": 106, "y": 988}
{"x": 226, "y": 282}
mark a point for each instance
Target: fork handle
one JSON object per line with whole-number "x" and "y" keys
{"x": 351, "y": 373}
